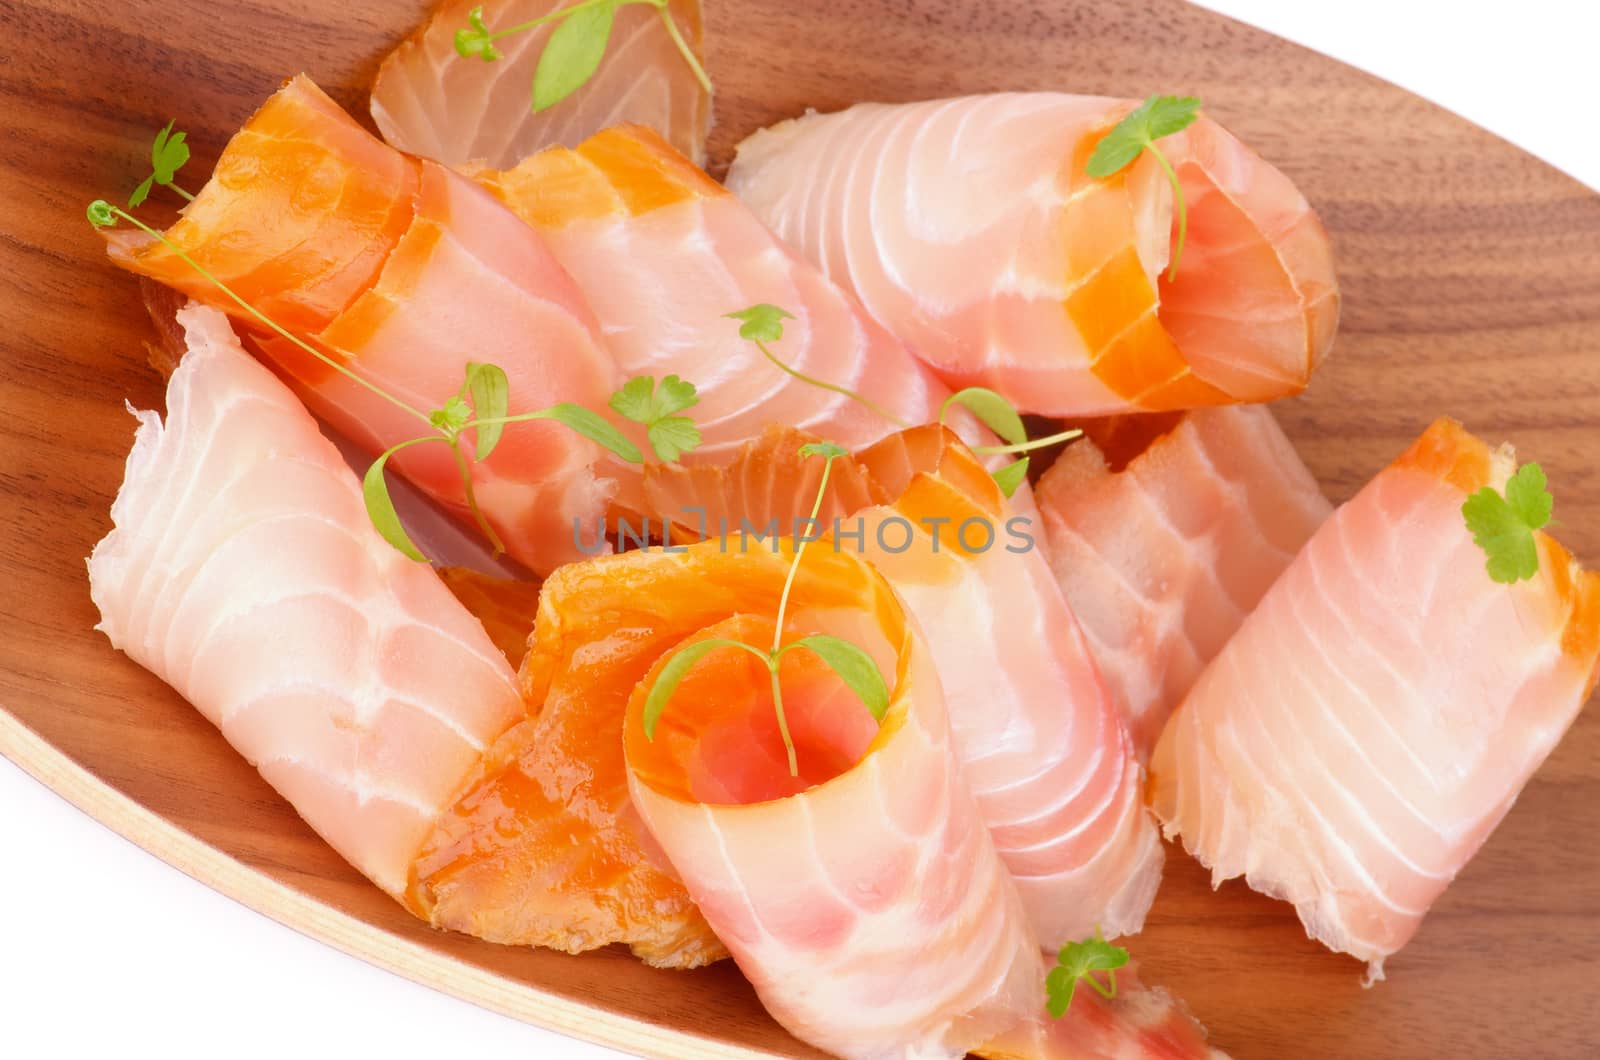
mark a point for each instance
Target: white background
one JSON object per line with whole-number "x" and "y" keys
{"x": 106, "y": 950}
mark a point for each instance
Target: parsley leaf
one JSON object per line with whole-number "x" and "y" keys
{"x": 635, "y": 399}
{"x": 642, "y": 402}
{"x": 1156, "y": 117}
{"x": 169, "y": 152}
{"x": 762, "y": 322}
{"x": 672, "y": 436}
{"x": 1079, "y": 960}
{"x": 831, "y": 450}
{"x": 675, "y": 395}
{"x": 1503, "y": 526}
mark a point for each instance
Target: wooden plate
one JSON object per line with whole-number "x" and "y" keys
{"x": 1472, "y": 279}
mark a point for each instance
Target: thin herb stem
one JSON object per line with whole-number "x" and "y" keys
{"x": 268, "y": 321}
{"x": 180, "y": 191}
{"x": 844, "y": 391}
{"x": 683, "y": 47}
{"x": 1029, "y": 445}
{"x": 783, "y": 721}
{"x": 1183, "y": 212}
{"x": 472, "y": 499}
{"x": 799, "y": 550}
{"x": 521, "y": 417}
{"x": 1107, "y": 993}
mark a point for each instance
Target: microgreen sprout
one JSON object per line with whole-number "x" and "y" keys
{"x": 1000, "y": 416}
{"x": 575, "y": 48}
{"x": 168, "y": 154}
{"x": 1078, "y": 961}
{"x": 762, "y": 324}
{"x": 1151, "y": 120}
{"x": 853, "y": 665}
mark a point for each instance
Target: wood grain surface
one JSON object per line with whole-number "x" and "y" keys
{"x": 1472, "y": 282}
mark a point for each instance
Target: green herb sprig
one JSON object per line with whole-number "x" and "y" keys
{"x": 1078, "y": 961}
{"x": 852, "y": 664}
{"x": 762, "y": 324}
{"x": 1503, "y": 525}
{"x": 1156, "y": 117}
{"x": 670, "y": 435}
{"x": 575, "y": 48}
{"x": 481, "y": 406}
{"x": 1001, "y": 417}
{"x": 169, "y": 152}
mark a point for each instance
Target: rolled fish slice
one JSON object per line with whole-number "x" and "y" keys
{"x": 1040, "y": 741}
{"x": 970, "y": 229}
{"x": 430, "y": 101}
{"x": 243, "y": 571}
{"x": 1163, "y": 532}
{"x": 404, "y": 271}
{"x": 1371, "y": 722}
{"x": 864, "y": 899}
{"x": 663, "y": 253}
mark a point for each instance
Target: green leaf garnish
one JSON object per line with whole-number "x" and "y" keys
{"x": 635, "y": 399}
{"x": 575, "y": 48}
{"x": 996, "y": 413}
{"x": 854, "y": 666}
{"x": 102, "y": 214}
{"x": 142, "y": 192}
{"x": 1156, "y": 117}
{"x": 573, "y": 54}
{"x": 761, "y": 322}
{"x": 827, "y": 449}
{"x": 672, "y": 675}
{"x": 1001, "y": 417}
{"x": 491, "y": 399}
{"x": 1078, "y": 961}
{"x": 380, "y": 508}
{"x": 594, "y": 427}
{"x": 1503, "y": 526}
{"x": 1011, "y": 476}
{"x": 670, "y": 436}
{"x": 169, "y": 152}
